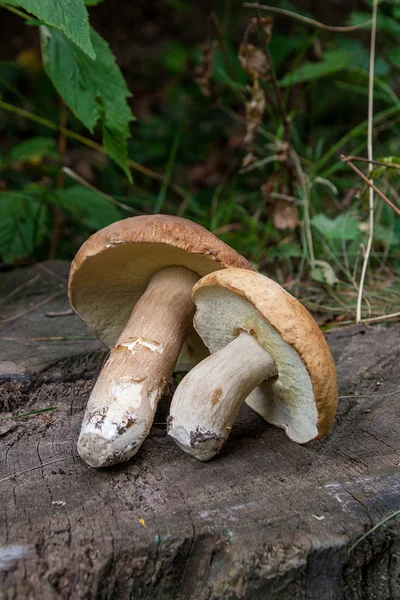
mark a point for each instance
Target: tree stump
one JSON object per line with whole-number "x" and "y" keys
{"x": 267, "y": 519}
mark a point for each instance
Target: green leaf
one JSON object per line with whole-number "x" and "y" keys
{"x": 289, "y": 250}
{"x": 343, "y": 227}
{"x": 69, "y": 16}
{"x": 332, "y": 62}
{"x": 87, "y": 206}
{"x": 323, "y": 273}
{"x": 360, "y": 57}
{"x": 34, "y": 148}
{"x": 390, "y": 171}
{"x": 94, "y": 90}
{"x": 386, "y": 236}
{"x": 390, "y": 160}
{"x": 385, "y": 24}
{"x": 174, "y": 56}
{"x": 23, "y": 219}
{"x": 92, "y": 2}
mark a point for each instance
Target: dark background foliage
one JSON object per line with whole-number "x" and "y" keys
{"x": 240, "y": 124}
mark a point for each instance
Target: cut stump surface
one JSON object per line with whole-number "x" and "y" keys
{"x": 267, "y": 519}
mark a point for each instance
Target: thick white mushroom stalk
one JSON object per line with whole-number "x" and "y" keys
{"x": 123, "y": 402}
{"x": 206, "y": 402}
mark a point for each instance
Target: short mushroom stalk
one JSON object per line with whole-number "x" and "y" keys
{"x": 123, "y": 402}
{"x": 208, "y": 399}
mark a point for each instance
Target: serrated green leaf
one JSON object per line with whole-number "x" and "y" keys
{"x": 94, "y": 90}
{"x": 23, "y": 219}
{"x": 343, "y": 227}
{"x": 332, "y": 62}
{"x": 87, "y": 207}
{"x": 69, "y": 16}
{"x": 34, "y": 148}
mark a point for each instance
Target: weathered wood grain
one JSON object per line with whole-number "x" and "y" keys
{"x": 267, "y": 519}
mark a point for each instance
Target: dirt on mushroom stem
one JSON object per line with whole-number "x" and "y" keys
{"x": 123, "y": 402}
{"x": 208, "y": 399}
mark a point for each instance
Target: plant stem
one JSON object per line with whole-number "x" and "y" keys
{"x": 57, "y": 212}
{"x": 109, "y": 198}
{"x": 14, "y": 10}
{"x": 370, "y": 157}
{"x": 369, "y": 182}
{"x": 225, "y": 54}
{"x": 373, "y": 162}
{"x": 306, "y": 207}
{"x": 90, "y": 144}
{"x": 358, "y": 130}
{"x": 385, "y": 520}
{"x": 30, "y": 414}
{"x": 51, "y": 462}
{"x": 308, "y": 21}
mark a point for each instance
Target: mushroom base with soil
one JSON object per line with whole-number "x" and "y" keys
{"x": 123, "y": 402}
{"x": 216, "y": 389}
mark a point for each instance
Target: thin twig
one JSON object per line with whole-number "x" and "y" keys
{"x": 258, "y": 163}
{"x": 370, "y": 184}
{"x": 351, "y": 134}
{"x": 54, "y": 338}
{"x": 292, "y": 15}
{"x": 31, "y": 309}
{"x": 60, "y": 313}
{"x": 374, "y": 162}
{"x": 372, "y": 397}
{"x": 46, "y": 464}
{"x": 42, "y": 267}
{"x": 110, "y": 199}
{"x": 225, "y": 54}
{"x": 285, "y": 197}
{"x": 381, "y": 318}
{"x": 19, "y": 288}
{"x": 89, "y": 143}
{"x": 370, "y": 157}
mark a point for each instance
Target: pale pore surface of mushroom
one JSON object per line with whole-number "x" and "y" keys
{"x": 288, "y": 400}
{"x": 205, "y": 406}
{"x": 124, "y": 399}
{"x": 121, "y": 275}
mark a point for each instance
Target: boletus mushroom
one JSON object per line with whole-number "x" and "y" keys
{"x": 266, "y": 347}
{"x": 131, "y": 283}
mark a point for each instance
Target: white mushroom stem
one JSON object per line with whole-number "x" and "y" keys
{"x": 123, "y": 402}
{"x": 207, "y": 400}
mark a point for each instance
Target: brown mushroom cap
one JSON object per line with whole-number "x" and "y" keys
{"x": 113, "y": 268}
{"x": 302, "y": 399}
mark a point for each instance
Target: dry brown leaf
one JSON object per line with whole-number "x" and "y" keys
{"x": 253, "y": 60}
{"x": 203, "y": 72}
{"x": 283, "y": 211}
{"x": 248, "y": 159}
{"x": 266, "y": 23}
{"x": 255, "y": 108}
{"x": 285, "y": 215}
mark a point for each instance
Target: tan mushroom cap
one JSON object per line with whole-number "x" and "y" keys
{"x": 303, "y": 398}
{"x": 113, "y": 268}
